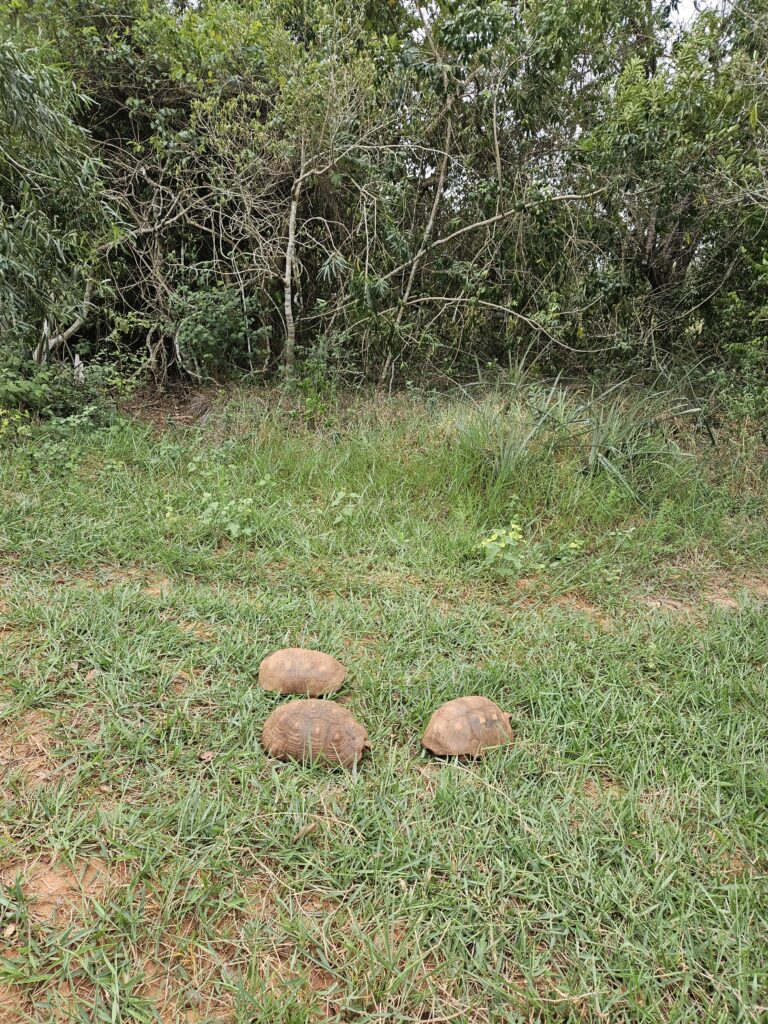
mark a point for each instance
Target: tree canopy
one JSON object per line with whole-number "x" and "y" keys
{"x": 387, "y": 188}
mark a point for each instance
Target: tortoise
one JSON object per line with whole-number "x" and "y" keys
{"x": 314, "y": 730}
{"x": 296, "y": 670}
{"x": 466, "y": 727}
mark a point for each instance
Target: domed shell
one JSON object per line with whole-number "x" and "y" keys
{"x": 296, "y": 670}
{"x": 312, "y": 730}
{"x": 466, "y": 727}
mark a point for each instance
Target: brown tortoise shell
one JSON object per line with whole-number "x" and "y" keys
{"x": 310, "y": 730}
{"x": 467, "y": 726}
{"x": 296, "y": 670}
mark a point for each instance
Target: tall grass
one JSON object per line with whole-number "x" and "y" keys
{"x": 627, "y": 433}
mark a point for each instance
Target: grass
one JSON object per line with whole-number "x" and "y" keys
{"x": 610, "y": 866}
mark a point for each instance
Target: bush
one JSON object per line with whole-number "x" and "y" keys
{"x": 218, "y": 330}
{"x": 742, "y": 384}
{"x": 51, "y": 391}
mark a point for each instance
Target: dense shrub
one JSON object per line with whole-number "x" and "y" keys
{"x": 391, "y": 190}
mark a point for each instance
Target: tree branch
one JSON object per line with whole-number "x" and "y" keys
{"x": 47, "y": 346}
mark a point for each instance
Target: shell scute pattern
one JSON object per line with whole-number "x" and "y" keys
{"x": 467, "y": 726}
{"x": 312, "y": 730}
{"x": 297, "y": 670}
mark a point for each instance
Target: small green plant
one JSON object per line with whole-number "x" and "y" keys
{"x": 219, "y": 330}
{"x": 202, "y": 472}
{"x": 13, "y": 423}
{"x": 347, "y": 504}
{"x": 232, "y": 519}
{"x": 171, "y": 514}
{"x": 568, "y": 550}
{"x": 510, "y": 548}
{"x": 507, "y": 546}
{"x": 316, "y": 382}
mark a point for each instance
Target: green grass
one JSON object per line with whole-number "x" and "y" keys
{"x": 610, "y": 866}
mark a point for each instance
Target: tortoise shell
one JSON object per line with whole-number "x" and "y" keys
{"x": 295, "y": 670}
{"x": 312, "y": 730}
{"x": 467, "y": 726}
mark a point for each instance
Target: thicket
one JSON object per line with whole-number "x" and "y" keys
{"x": 384, "y": 190}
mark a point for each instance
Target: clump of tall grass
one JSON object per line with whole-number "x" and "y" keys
{"x": 627, "y": 434}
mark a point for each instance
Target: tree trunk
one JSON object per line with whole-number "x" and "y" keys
{"x": 439, "y": 186}
{"x": 289, "y": 351}
{"x": 48, "y": 344}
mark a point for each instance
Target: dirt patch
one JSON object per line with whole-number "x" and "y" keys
{"x": 56, "y": 891}
{"x": 173, "y": 1005}
{"x": 117, "y": 578}
{"x": 320, "y": 980}
{"x": 25, "y": 746}
{"x": 106, "y": 577}
{"x": 724, "y": 594}
{"x": 658, "y": 602}
{"x": 730, "y": 593}
{"x": 726, "y": 864}
{"x": 598, "y": 790}
{"x": 575, "y": 603}
{"x": 267, "y": 901}
{"x": 157, "y": 586}
{"x": 530, "y": 595}
{"x": 316, "y": 905}
{"x": 274, "y": 571}
{"x": 656, "y": 804}
{"x": 182, "y": 681}
{"x": 395, "y": 581}
{"x": 285, "y": 971}
{"x": 14, "y": 1008}
{"x": 260, "y": 895}
{"x": 180, "y": 406}
{"x": 191, "y": 627}
{"x": 64, "y": 1001}
{"x": 201, "y": 630}
{"x": 363, "y": 645}
{"x": 721, "y": 598}
{"x": 753, "y": 587}
{"x": 736, "y": 867}
{"x": 151, "y": 584}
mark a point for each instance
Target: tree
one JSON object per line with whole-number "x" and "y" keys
{"x": 47, "y": 204}
{"x": 402, "y": 189}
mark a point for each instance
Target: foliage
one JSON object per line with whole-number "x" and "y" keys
{"x": 430, "y": 187}
{"x": 47, "y": 199}
{"x": 510, "y": 550}
{"x": 504, "y": 544}
{"x": 217, "y": 327}
{"x": 13, "y": 422}
{"x": 624, "y": 433}
{"x": 46, "y": 391}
